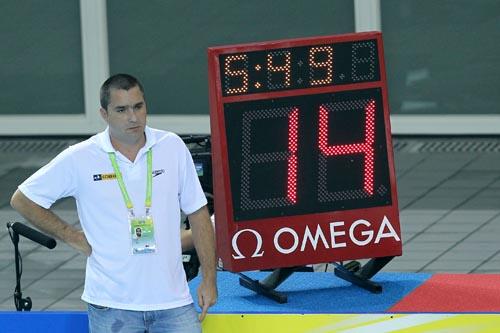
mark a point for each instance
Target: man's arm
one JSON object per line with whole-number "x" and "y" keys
{"x": 204, "y": 242}
{"x": 50, "y": 223}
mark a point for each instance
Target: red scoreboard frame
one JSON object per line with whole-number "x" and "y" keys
{"x": 302, "y": 157}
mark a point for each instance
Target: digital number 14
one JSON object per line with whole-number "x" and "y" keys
{"x": 366, "y": 148}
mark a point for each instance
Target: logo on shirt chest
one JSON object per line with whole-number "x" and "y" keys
{"x": 104, "y": 176}
{"x": 111, "y": 176}
{"x": 158, "y": 172}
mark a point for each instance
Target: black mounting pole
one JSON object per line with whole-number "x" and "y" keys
{"x": 22, "y": 304}
{"x": 360, "y": 276}
{"x": 267, "y": 285}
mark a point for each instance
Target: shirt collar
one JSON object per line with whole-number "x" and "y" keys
{"x": 104, "y": 141}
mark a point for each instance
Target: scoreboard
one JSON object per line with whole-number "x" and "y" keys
{"x": 302, "y": 158}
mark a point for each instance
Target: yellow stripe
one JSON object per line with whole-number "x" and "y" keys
{"x": 344, "y": 323}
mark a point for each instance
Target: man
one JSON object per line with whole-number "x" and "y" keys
{"x": 129, "y": 286}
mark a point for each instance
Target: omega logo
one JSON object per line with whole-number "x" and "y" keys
{"x": 258, "y": 247}
{"x": 337, "y": 233}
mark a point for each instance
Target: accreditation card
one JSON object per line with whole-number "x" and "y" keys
{"x": 142, "y": 234}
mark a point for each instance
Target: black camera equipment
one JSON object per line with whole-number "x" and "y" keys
{"x": 15, "y": 229}
{"x": 200, "y": 148}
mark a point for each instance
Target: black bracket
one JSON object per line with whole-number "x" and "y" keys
{"x": 266, "y": 286}
{"x": 352, "y": 272}
{"x": 360, "y": 276}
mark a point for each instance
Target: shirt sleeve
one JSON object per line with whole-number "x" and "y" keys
{"x": 52, "y": 182}
{"x": 191, "y": 195}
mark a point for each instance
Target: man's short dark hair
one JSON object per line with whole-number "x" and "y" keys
{"x": 118, "y": 81}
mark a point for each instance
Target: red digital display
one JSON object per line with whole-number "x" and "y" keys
{"x": 302, "y": 154}
{"x": 365, "y": 148}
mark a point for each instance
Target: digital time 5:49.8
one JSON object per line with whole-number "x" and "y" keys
{"x": 302, "y": 152}
{"x": 299, "y": 67}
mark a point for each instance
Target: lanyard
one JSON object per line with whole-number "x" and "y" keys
{"x": 149, "y": 183}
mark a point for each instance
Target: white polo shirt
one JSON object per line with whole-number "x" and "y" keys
{"x": 114, "y": 276}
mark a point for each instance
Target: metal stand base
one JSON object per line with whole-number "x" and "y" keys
{"x": 352, "y": 272}
{"x": 22, "y": 304}
{"x": 266, "y": 286}
{"x": 360, "y": 276}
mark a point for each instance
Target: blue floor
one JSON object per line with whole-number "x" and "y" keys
{"x": 307, "y": 293}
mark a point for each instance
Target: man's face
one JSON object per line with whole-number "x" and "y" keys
{"x": 126, "y": 115}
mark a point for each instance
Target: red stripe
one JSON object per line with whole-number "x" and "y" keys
{"x": 454, "y": 293}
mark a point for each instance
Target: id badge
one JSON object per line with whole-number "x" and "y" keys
{"x": 142, "y": 233}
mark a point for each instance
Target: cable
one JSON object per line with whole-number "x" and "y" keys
{"x": 20, "y": 257}
{"x": 17, "y": 290}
